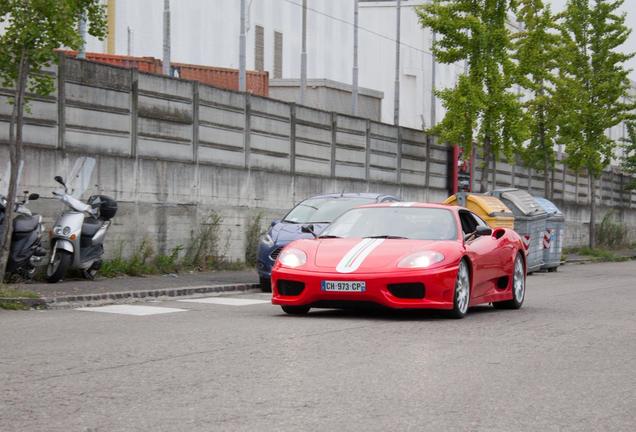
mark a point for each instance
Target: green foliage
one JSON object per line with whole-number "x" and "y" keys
{"x": 629, "y": 155}
{"x": 203, "y": 251}
{"x": 253, "y": 233}
{"x": 481, "y": 108}
{"x": 535, "y": 51}
{"x": 592, "y": 82}
{"x": 598, "y": 254}
{"x": 35, "y": 28}
{"x": 611, "y": 233}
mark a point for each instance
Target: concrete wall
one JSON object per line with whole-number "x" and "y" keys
{"x": 171, "y": 151}
{"x": 330, "y": 96}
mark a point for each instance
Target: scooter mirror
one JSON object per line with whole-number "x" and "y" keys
{"x": 34, "y": 197}
{"x": 60, "y": 180}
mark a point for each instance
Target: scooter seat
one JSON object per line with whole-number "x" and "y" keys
{"x": 25, "y": 224}
{"x": 90, "y": 227}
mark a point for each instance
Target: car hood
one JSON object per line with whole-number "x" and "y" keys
{"x": 284, "y": 232}
{"x": 373, "y": 255}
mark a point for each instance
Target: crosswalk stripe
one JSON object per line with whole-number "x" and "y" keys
{"x": 226, "y": 301}
{"x": 131, "y": 310}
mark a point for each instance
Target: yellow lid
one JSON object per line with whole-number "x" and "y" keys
{"x": 490, "y": 205}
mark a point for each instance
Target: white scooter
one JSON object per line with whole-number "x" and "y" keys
{"x": 77, "y": 238}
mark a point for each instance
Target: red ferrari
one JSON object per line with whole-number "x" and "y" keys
{"x": 403, "y": 256}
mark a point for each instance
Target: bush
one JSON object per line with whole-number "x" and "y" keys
{"x": 253, "y": 232}
{"x": 611, "y": 233}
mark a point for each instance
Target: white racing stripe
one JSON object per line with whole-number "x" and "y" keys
{"x": 356, "y": 256}
{"x": 402, "y": 204}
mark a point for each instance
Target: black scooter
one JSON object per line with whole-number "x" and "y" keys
{"x": 26, "y": 243}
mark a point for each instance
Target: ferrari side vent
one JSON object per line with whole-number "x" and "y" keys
{"x": 407, "y": 290}
{"x": 290, "y": 288}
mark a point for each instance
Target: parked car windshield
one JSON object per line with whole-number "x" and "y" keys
{"x": 395, "y": 222}
{"x": 323, "y": 210}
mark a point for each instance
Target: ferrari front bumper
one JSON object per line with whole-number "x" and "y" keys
{"x": 439, "y": 286}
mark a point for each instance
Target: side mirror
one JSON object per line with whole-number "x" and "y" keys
{"x": 308, "y": 229}
{"x": 483, "y": 231}
{"x": 60, "y": 180}
{"x": 274, "y": 222}
{"x": 34, "y": 197}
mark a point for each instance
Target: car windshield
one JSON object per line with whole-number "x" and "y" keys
{"x": 395, "y": 222}
{"x": 323, "y": 210}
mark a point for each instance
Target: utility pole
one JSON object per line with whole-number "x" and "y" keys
{"x": 166, "y": 37}
{"x": 433, "y": 84}
{"x": 242, "y": 49}
{"x": 303, "y": 56}
{"x": 129, "y": 42}
{"x": 354, "y": 81}
{"x": 396, "y": 108}
{"x": 82, "y": 32}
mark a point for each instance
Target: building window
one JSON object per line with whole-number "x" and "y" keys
{"x": 259, "y": 49}
{"x": 278, "y": 55}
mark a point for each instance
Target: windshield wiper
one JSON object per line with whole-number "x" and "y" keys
{"x": 329, "y": 236}
{"x": 291, "y": 221}
{"x": 386, "y": 237}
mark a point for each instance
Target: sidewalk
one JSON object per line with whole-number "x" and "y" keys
{"x": 107, "y": 289}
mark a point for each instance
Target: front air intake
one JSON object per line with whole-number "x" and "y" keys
{"x": 290, "y": 288}
{"x": 407, "y": 290}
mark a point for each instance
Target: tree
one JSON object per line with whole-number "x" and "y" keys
{"x": 592, "y": 86}
{"x": 33, "y": 29}
{"x": 535, "y": 52}
{"x": 481, "y": 108}
{"x": 629, "y": 155}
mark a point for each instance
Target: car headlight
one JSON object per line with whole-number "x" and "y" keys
{"x": 422, "y": 259}
{"x": 267, "y": 240}
{"x": 292, "y": 258}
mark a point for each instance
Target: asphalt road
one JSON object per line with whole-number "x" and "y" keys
{"x": 565, "y": 362}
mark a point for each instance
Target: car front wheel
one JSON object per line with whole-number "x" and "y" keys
{"x": 461, "y": 298}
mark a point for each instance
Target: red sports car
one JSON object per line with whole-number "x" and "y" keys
{"x": 403, "y": 256}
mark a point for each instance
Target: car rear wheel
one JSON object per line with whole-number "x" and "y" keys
{"x": 461, "y": 298}
{"x": 295, "y": 310}
{"x": 266, "y": 284}
{"x": 518, "y": 287}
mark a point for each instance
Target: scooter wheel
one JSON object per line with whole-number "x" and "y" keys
{"x": 91, "y": 273}
{"x": 56, "y": 270}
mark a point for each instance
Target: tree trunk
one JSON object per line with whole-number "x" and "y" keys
{"x": 15, "y": 151}
{"x": 592, "y": 182}
{"x": 485, "y": 170}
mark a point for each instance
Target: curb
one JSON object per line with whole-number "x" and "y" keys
{"x": 102, "y": 298}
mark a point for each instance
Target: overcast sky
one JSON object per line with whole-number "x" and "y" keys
{"x": 630, "y": 45}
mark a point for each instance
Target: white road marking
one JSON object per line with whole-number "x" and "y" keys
{"x": 226, "y": 301}
{"x": 131, "y": 310}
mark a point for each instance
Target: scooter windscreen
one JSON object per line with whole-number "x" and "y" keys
{"x": 79, "y": 178}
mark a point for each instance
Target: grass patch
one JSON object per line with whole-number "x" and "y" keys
{"x": 598, "y": 254}
{"x": 11, "y": 293}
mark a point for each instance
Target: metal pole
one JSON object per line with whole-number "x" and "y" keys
{"x": 354, "y": 81}
{"x": 82, "y": 31}
{"x": 129, "y": 42}
{"x": 242, "y": 49}
{"x": 166, "y": 37}
{"x": 396, "y": 108}
{"x": 303, "y": 56}
{"x": 433, "y": 86}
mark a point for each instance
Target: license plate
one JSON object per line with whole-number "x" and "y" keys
{"x": 344, "y": 286}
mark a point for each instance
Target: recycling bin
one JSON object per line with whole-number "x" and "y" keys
{"x": 489, "y": 208}
{"x": 530, "y": 220}
{"x": 553, "y": 235}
